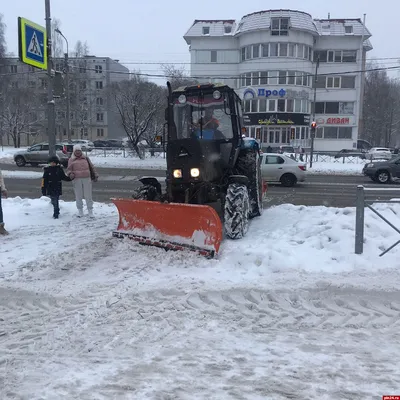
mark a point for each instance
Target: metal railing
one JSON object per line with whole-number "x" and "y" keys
{"x": 361, "y": 203}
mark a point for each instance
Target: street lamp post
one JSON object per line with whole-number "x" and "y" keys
{"x": 66, "y": 67}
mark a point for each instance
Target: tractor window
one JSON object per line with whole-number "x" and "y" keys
{"x": 208, "y": 120}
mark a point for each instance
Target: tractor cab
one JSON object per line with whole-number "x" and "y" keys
{"x": 204, "y": 129}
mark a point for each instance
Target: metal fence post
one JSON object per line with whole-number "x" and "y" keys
{"x": 360, "y": 210}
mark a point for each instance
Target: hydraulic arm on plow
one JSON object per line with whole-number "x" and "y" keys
{"x": 208, "y": 162}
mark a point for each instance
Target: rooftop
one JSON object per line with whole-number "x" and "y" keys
{"x": 260, "y": 20}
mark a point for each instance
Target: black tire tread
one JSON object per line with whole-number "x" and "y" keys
{"x": 237, "y": 205}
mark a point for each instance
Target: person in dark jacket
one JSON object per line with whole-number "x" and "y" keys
{"x": 52, "y": 183}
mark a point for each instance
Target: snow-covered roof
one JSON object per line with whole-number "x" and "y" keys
{"x": 337, "y": 27}
{"x": 262, "y": 20}
{"x": 216, "y": 28}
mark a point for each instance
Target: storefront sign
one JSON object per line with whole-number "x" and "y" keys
{"x": 276, "y": 119}
{"x": 251, "y": 93}
{"x": 335, "y": 121}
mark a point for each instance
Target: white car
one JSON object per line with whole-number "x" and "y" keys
{"x": 382, "y": 153}
{"x": 283, "y": 169}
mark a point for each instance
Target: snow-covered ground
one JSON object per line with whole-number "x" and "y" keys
{"x": 288, "y": 312}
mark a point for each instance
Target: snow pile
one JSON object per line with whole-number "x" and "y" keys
{"x": 158, "y": 163}
{"x": 335, "y": 168}
{"x": 22, "y": 174}
{"x": 7, "y": 154}
{"x": 287, "y": 312}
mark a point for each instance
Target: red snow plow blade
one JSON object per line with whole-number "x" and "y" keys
{"x": 172, "y": 226}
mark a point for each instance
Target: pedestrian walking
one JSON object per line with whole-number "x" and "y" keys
{"x": 82, "y": 173}
{"x": 3, "y": 192}
{"x": 53, "y": 176}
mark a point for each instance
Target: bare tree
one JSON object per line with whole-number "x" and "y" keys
{"x": 17, "y": 113}
{"x": 381, "y": 108}
{"x": 177, "y": 76}
{"x": 81, "y": 49}
{"x": 138, "y": 103}
{"x": 57, "y": 40}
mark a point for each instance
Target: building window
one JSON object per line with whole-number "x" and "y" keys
{"x": 100, "y": 117}
{"x": 332, "y": 107}
{"x": 99, "y": 101}
{"x": 273, "y": 77}
{"x": 227, "y": 29}
{"x": 262, "y": 105}
{"x": 273, "y": 50}
{"x": 282, "y": 77}
{"x": 281, "y": 105}
{"x": 333, "y": 82}
{"x": 271, "y": 105}
{"x": 98, "y": 69}
{"x": 82, "y": 85}
{"x": 336, "y": 56}
{"x": 243, "y": 54}
{"x": 283, "y": 50}
{"x": 100, "y": 132}
{"x": 346, "y": 108}
{"x": 213, "y": 56}
{"x": 82, "y": 69}
{"x": 348, "y": 82}
{"x": 265, "y": 50}
{"x": 206, "y": 30}
{"x": 348, "y": 29}
{"x": 345, "y": 132}
{"x": 13, "y": 69}
{"x": 256, "y": 51}
{"x": 279, "y": 26}
{"x": 99, "y": 84}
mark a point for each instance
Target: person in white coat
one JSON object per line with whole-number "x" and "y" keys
{"x": 3, "y": 191}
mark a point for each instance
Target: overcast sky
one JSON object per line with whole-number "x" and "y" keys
{"x": 150, "y": 31}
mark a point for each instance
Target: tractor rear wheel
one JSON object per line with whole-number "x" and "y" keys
{"x": 236, "y": 211}
{"x": 249, "y": 164}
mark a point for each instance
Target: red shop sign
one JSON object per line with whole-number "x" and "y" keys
{"x": 338, "y": 121}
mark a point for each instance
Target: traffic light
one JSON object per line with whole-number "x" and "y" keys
{"x": 313, "y": 126}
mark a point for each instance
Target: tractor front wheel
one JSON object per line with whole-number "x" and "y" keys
{"x": 236, "y": 211}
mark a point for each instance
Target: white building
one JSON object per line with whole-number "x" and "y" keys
{"x": 270, "y": 58}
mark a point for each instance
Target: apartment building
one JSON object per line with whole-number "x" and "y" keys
{"x": 92, "y": 114}
{"x": 271, "y": 57}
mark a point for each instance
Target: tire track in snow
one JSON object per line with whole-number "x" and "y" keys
{"x": 37, "y": 322}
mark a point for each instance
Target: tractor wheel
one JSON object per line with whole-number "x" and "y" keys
{"x": 249, "y": 165}
{"x": 146, "y": 192}
{"x": 236, "y": 211}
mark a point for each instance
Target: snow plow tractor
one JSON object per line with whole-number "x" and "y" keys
{"x": 210, "y": 165}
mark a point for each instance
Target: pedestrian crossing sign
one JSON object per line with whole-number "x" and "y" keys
{"x": 32, "y": 40}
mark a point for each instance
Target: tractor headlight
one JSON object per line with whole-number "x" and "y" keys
{"x": 217, "y": 94}
{"x": 177, "y": 173}
{"x": 194, "y": 172}
{"x": 182, "y": 99}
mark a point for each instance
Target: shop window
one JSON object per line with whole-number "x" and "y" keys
{"x": 345, "y": 132}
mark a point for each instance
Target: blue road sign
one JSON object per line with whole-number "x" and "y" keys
{"x": 32, "y": 43}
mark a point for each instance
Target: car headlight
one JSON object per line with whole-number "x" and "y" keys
{"x": 177, "y": 173}
{"x": 194, "y": 172}
{"x": 370, "y": 166}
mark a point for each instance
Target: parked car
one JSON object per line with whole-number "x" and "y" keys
{"x": 39, "y": 154}
{"x": 283, "y": 169}
{"x": 382, "y": 153}
{"x": 383, "y": 171}
{"x": 351, "y": 153}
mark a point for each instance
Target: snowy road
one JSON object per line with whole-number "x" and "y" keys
{"x": 329, "y": 190}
